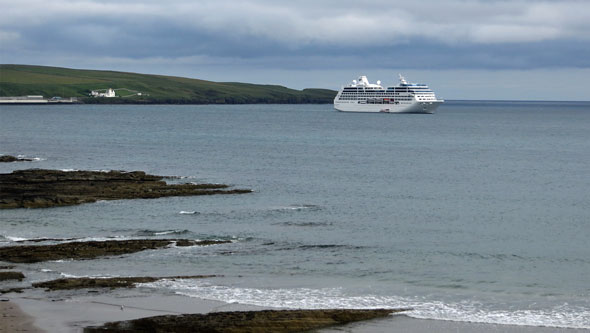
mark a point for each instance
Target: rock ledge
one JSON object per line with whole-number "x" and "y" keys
{"x": 39, "y": 188}
{"x": 245, "y": 321}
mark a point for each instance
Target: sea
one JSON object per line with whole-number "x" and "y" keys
{"x": 477, "y": 213}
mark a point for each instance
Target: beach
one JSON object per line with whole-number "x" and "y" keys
{"x": 14, "y": 319}
{"x": 36, "y": 312}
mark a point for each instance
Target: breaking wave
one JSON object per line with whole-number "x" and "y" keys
{"x": 33, "y": 159}
{"x": 304, "y": 224}
{"x": 148, "y": 232}
{"x": 565, "y": 316}
{"x": 295, "y": 208}
{"x": 188, "y": 212}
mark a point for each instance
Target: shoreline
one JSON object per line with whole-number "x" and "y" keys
{"x": 39, "y": 311}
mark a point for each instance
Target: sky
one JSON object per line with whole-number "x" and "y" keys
{"x": 464, "y": 49}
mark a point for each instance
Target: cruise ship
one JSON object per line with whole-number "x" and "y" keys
{"x": 362, "y": 96}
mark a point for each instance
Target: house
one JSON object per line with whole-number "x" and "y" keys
{"x": 107, "y": 93}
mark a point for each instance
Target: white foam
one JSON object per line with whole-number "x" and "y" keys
{"x": 187, "y": 212}
{"x": 34, "y": 159}
{"x": 564, "y": 316}
{"x": 45, "y": 270}
{"x": 17, "y": 239}
{"x": 167, "y": 232}
{"x": 72, "y": 276}
{"x": 65, "y": 275}
{"x": 102, "y": 239}
{"x": 69, "y": 170}
{"x": 298, "y": 207}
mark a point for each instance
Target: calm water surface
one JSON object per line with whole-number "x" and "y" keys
{"x": 480, "y": 212}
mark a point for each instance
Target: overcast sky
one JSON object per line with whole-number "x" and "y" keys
{"x": 525, "y": 49}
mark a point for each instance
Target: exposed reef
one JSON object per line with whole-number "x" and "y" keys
{"x": 10, "y": 158}
{"x": 11, "y": 276}
{"x": 38, "y": 188}
{"x": 114, "y": 282}
{"x": 246, "y": 321}
{"x": 89, "y": 250}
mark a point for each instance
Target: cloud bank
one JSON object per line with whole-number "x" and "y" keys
{"x": 297, "y": 35}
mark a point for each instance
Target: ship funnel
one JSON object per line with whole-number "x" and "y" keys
{"x": 402, "y": 79}
{"x": 363, "y": 80}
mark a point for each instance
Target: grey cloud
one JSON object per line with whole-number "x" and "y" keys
{"x": 302, "y": 34}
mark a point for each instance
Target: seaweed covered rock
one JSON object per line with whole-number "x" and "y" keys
{"x": 92, "y": 249}
{"x": 10, "y": 158}
{"x": 244, "y": 321}
{"x": 11, "y": 276}
{"x": 112, "y": 282}
{"x": 38, "y": 188}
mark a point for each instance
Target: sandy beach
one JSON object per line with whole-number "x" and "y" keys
{"x": 14, "y": 319}
{"x": 38, "y": 311}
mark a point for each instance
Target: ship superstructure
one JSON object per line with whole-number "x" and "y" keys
{"x": 362, "y": 96}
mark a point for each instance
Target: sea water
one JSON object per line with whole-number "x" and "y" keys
{"x": 480, "y": 212}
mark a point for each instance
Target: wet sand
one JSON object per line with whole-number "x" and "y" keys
{"x": 13, "y": 319}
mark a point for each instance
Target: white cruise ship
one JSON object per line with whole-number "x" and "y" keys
{"x": 362, "y": 96}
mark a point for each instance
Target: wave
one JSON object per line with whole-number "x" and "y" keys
{"x": 563, "y": 316}
{"x": 138, "y": 235}
{"x": 33, "y": 159}
{"x": 148, "y": 232}
{"x": 72, "y": 276}
{"x": 14, "y": 239}
{"x": 179, "y": 177}
{"x": 328, "y": 246}
{"x": 188, "y": 212}
{"x": 35, "y": 239}
{"x": 296, "y": 207}
{"x": 304, "y": 224}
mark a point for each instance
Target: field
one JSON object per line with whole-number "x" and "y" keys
{"x": 21, "y": 80}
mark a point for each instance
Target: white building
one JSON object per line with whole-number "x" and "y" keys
{"x": 107, "y": 93}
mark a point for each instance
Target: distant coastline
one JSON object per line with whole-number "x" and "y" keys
{"x": 133, "y": 88}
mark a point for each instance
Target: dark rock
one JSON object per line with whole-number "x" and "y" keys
{"x": 247, "y": 321}
{"x": 115, "y": 282}
{"x": 89, "y": 250}
{"x": 45, "y": 239}
{"x": 11, "y": 276}
{"x": 10, "y": 158}
{"x": 38, "y": 188}
{"x": 7, "y": 267}
{"x": 11, "y": 290}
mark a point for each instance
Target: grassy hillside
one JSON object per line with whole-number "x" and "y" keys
{"x": 20, "y": 80}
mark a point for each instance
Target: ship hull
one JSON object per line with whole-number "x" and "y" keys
{"x": 415, "y": 107}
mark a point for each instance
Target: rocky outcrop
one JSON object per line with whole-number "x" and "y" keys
{"x": 247, "y": 321}
{"x": 10, "y": 158}
{"x": 11, "y": 276}
{"x": 89, "y": 250}
{"x": 38, "y": 188}
{"x": 114, "y": 282}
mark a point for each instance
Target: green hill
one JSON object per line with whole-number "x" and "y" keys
{"x": 20, "y": 80}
